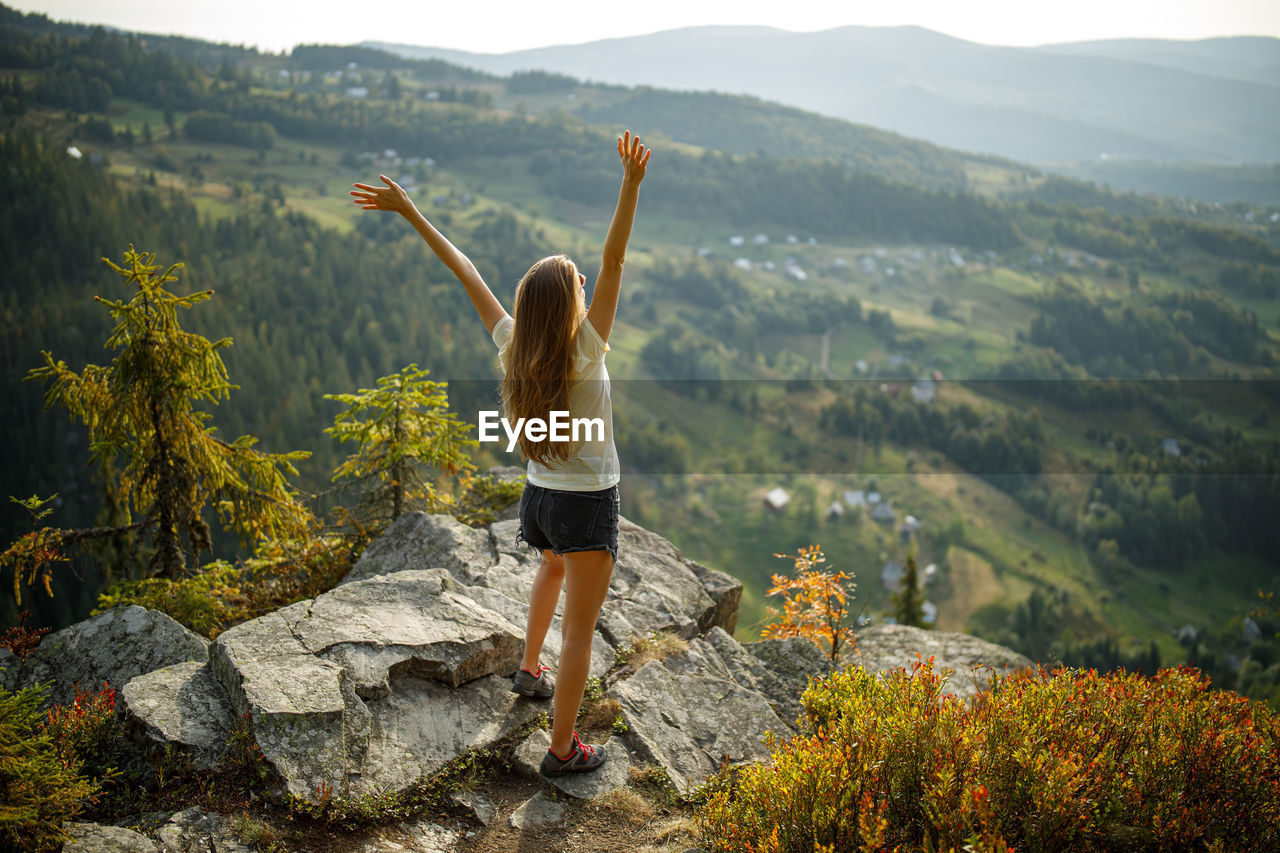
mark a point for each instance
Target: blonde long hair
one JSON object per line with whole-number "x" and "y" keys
{"x": 549, "y": 308}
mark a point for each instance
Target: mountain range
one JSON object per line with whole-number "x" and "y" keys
{"x": 1215, "y": 100}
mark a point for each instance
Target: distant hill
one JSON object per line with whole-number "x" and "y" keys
{"x": 1255, "y": 59}
{"x": 1215, "y": 101}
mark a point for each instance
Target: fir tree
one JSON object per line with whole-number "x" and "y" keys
{"x": 402, "y": 425}
{"x": 141, "y": 410}
{"x": 907, "y": 602}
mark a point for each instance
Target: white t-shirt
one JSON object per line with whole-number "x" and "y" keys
{"x": 595, "y": 464}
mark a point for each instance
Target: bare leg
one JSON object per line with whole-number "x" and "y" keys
{"x": 542, "y": 606}
{"x": 587, "y": 575}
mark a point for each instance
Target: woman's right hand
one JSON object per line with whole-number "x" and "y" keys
{"x": 635, "y": 157}
{"x": 392, "y": 197}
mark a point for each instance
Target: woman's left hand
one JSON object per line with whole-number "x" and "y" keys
{"x": 635, "y": 157}
{"x": 392, "y": 197}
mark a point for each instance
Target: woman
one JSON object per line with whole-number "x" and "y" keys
{"x": 552, "y": 354}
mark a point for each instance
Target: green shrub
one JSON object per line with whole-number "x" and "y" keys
{"x": 40, "y": 786}
{"x": 1044, "y": 760}
{"x": 223, "y": 594}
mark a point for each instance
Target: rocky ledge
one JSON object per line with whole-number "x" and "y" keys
{"x": 407, "y": 663}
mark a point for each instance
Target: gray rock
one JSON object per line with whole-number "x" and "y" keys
{"x": 95, "y": 838}
{"x": 689, "y": 722}
{"x": 881, "y": 647}
{"x": 789, "y": 665}
{"x": 527, "y": 757}
{"x": 480, "y": 806}
{"x": 411, "y": 622}
{"x": 536, "y": 812}
{"x": 9, "y": 665}
{"x": 112, "y": 647}
{"x": 182, "y": 704}
{"x": 317, "y": 679}
{"x": 653, "y": 589}
{"x": 417, "y": 837}
{"x": 417, "y": 540}
{"x": 422, "y": 725}
{"x": 296, "y": 701}
{"x": 197, "y": 831}
{"x": 610, "y": 777}
{"x": 726, "y": 591}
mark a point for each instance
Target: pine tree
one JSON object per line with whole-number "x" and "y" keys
{"x": 907, "y": 602}
{"x": 141, "y": 410}
{"x": 401, "y": 426}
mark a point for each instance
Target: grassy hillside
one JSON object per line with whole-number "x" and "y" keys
{"x": 777, "y": 315}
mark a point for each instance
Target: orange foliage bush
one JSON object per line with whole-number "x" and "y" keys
{"x": 1044, "y": 760}
{"x": 815, "y": 603}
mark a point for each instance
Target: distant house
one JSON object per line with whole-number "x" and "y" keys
{"x": 884, "y": 513}
{"x": 737, "y": 240}
{"x": 928, "y": 612}
{"x": 760, "y": 240}
{"x": 792, "y": 239}
{"x": 1170, "y": 446}
{"x": 879, "y": 252}
{"x": 742, "y": 264}
{"x": 856, "y": 498}
{"x": 432, "y": 95}
{"x": 770, "y": 266}
{"x": 357, "y": 91}
{"x": 1186, "y": 633}
{"x": 867, "y": 264}
{"x": 74, "y": 152}
{"x": 861, "y": 365}
{"x": 835, "y": 512}
{"x": 777, "y": 499}
{"x": 891, "y": 576}
{"x": 797, "y": 273}
{"x": 924, "y": 391}
{"x": 873, "y": 497}
{"x": 955, "y": 258}
{"x": 704, "y": 252}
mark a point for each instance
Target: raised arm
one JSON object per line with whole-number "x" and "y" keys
{"x": 604, "y": 301}
{"x": 392, "y": 197}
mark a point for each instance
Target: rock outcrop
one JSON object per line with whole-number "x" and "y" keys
{"x": 972, "y": 661}
{"x": 112, "y": 648}
{"x": 407, "y": 663}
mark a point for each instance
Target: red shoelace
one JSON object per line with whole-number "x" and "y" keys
{"x": 587, "y": 750}
{"x": 538, "y": 674}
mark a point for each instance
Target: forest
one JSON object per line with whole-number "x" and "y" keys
{"x": 1170, "y": 329}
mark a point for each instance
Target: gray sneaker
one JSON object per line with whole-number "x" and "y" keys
{"x": 584, "y": 758}
{"x": 534, "y": 685}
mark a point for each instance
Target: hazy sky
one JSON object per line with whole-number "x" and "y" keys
{"x": 497, "y": 26}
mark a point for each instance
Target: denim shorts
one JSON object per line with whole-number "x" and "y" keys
{"x": 563, "y": 522}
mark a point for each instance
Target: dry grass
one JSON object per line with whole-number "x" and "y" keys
{"x": 657, "y": 646}
{"x": 599, "y": 714}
